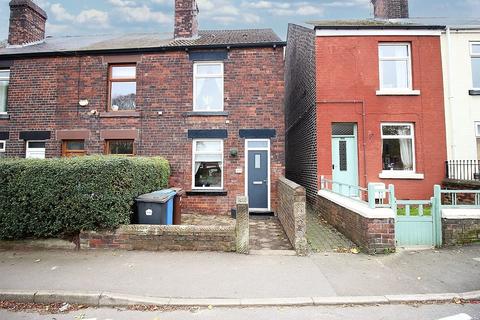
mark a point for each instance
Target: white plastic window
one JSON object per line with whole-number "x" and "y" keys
{"x": 35, "y": 150}
{"x": 475, "y": 54}
{"x": 207, "y": 164}
{"x": 395, "y": 66}
{"x": 208, "y": 86}
{"x": 4, "y": 82}
{"x": 398, "y": 147}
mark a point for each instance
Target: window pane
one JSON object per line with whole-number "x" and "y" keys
{"x": 208, "y": 174}
{"x": 400, "y": 130}
{"x": 123, "y": 95}
{"x": 476, "y": 72}
{"x": 258, "y": 144}
{"x": 209, "y": 69}
{"x": 476, "y": 48}
{"x": 2, "y": 145}
{"x": 209, "y": 94}
{"x": 36, "y": 145}
{"x": 3, "y": 96}
{"x": 208, "y": 157}
{"x": 392, "y": 51}
{"x": 478, "y": 148}
{"x": 394, "y": 74}
{"x": 124, "y": 72}
{"x": 209, "y": 146}
{"x": 75, "y": 145}
{"x": 4, "y": 74}
{"x": 397, "y": 154}
{"x": 121, "y": 147}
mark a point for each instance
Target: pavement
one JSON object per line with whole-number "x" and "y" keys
{"x": 203, "y": 275}
{"x": 390, "y": 312}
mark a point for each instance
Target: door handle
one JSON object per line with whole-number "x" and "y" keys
{"x": 333, "y": 167}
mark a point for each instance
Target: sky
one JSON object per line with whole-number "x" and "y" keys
{"x": 77, "y": 17}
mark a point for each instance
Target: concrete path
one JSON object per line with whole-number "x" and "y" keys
{"x": 221, "y": 275}
{"x": 390, "y": 312}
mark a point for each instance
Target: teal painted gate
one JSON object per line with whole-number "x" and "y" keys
{"x": 418, "y": 222}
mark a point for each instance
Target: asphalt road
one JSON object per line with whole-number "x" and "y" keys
{"x": 387, "y": 312}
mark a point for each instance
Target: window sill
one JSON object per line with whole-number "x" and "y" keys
{"x": 4, "y": 116}
{"x": 207, "y": 114}
{"x": 120, "y": 114}
{"x": 398, "y": 92}
{"x": 474, "y": 92}
{"x": 401, "y": 175}
{"x": 211, "y": 193}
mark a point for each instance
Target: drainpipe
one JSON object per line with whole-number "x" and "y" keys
{"x": 450, "y": 103}
{"x": 364, "y": 121}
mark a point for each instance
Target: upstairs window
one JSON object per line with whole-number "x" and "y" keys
{"x": 398, "y": 147}
{"x": 73, "y": 148}
{"x": 477, "y": 131}
{"x": 395, "y": 66}
{"x": 475, "y": 54}
{"x": 208, "y": 86}
{"x": 4, "y": 81}
{"x": 122, "y": 87}
{"x": 120, "y": 147}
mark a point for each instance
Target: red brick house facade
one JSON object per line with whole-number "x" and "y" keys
{"x": 375, "y": 110}
{"x": 197, "y": 99}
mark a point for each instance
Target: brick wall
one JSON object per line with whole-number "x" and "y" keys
{"x": 44, "y": 95}
{"x": 161, "y": 238}
{"x": 462, "y": 198}
{"x": 460, "y": 231}
{"x": 292, "y": 213}
{"x": 300, "y": 109}
{"x": 372, "y": 235}
{"x": 390, "y": 9}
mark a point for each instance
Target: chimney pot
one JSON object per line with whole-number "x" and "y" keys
{"x": 186, "y": 20}
{"x": 390, "y": 9}
{"x": 27, "y": 22}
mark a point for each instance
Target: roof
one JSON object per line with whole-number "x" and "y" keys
{"x": 409, "y": 23}
{"x": 374, "y": 24}
{"x": 144, "y": 42}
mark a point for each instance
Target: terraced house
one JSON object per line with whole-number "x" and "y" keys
{"x": 209, "y": 101}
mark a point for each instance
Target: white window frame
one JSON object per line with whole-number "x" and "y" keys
{"x": 3, "y": 145}
{"x": 400, "y": 174}
{"x": 27, "y": 143}
{"x": 396, "y": 91}
{"x": 194, "y": 145}
{"x": 247, "y": 149}
{"x": 477, "y": 129}
{"x": 3, "y": 79}
{"x": 195, "y": 76}
{"x": 473, "y": 55}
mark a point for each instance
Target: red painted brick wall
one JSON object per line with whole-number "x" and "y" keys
{"x": 44, "y": 95}
{"x": 347, "y": 70}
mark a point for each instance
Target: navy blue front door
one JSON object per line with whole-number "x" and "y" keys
{"x": 258, "y": 179}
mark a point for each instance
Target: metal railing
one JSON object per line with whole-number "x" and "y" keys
{"x": 374, "y": 195}
{"x": 463, "y": 170}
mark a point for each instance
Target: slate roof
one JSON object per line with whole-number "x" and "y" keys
{"x": 145, "y": 42}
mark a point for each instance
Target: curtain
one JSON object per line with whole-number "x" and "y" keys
{"x": 406, "y": 153}
{"x": 197, "y": 166}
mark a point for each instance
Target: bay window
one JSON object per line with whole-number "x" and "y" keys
{"x": 395, "y": 67}
{"x": 207, "y": 164}
{"x": 122, "y": 87}
{"x": 4, "y": 82}
{"x": 208, "y": 86}
{"x": 398, "y": 147}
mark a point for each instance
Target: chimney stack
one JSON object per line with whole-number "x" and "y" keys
{"x": 186, "y": 21}
{"x": 390, "y": 9}
{"x": 27, "y": 22}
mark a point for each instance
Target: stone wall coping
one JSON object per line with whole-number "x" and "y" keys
{"x": 461, "y": 213}
{"x": 357, "y": 207}
{"x": 292, "y": 184}
{"x": 140, "y": 229}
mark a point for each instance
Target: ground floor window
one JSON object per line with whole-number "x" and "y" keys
{"x": 398, "y": 147}
{"x": 477, "y": 132}
{"x": 120, "y": 147}
{"x": 207, "y": 164}
{"x": 73, "y": 148}
{"x": 3, "y": 145}
{"x": 35, "y": 150}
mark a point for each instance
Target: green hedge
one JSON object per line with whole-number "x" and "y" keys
{"x": 60, "y": 197}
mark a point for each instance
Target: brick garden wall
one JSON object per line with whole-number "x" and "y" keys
{"x": 44, "y": 95}
{"x": 372, "y": 235}
{"x": 460, "y": 231}
{"x": 162, "y": 238}
{"x": 300, "y": 109}
{"x": 463, "y": 198}
{"x": 292, "y": 213}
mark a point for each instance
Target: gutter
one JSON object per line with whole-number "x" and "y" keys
{"x": 275, "y": 44}
{"x": 379, "y": 27}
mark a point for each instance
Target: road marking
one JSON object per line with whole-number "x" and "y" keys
{"x": 461, "y": 316}
{"x": 476, "y": 259}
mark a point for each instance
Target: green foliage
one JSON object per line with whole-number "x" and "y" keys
{"x": 56, "y": 197}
